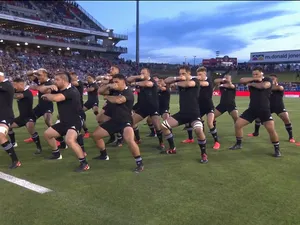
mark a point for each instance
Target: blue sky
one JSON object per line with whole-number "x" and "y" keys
{"x": 169, "y": 31}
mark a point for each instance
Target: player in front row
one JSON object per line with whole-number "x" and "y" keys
{"x": 259, "y": 107}
{"x": 227, "y": 101}
{"x": 206, "y": 107}
{"x": 68, "y": 100}
{"x": 122, "y": 99}
{"x": 106, "y": 112}
{"x": 26, "y": 115}
{"x": 188, "y": 110}
{"x": 7, "y": 117}
{"x": 277, "y": 106}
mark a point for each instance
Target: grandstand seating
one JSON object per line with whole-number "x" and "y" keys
{"x": 17, "y": 61}
{"x": 61, "y": 12}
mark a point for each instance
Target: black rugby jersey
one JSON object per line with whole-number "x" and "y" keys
{"x": 6, "y": 100}
{"x": 188, "y": 99}
{"x": 260, "y": 98}
{"x": 25, "y": 104}
{"x": 227, "y": 95}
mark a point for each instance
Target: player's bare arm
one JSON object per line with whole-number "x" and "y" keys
{"x": 246, "y": 80}
{"x": 262, "y": 85}
{"x": 277, "y": 88}
{"x": 115, "y": 99}
{"x": 187, "y": 83}
{"x": 18, "y": 96}
{"x": 54, "y": 97}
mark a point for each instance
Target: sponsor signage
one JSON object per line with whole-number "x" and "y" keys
{"x": 276, "y": 57}
{"x": 219, "y": 61}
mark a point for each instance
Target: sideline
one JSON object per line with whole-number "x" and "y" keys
{"x": 24, "y": 183}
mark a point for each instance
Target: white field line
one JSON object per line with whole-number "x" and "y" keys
{"x": 24, "y": 183}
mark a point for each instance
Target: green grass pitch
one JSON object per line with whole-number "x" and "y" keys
{"x": 236, "y": 187}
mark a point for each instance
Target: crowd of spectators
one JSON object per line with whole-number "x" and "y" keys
{"x": 61, "y": 12}
{"x": 17, "y": 62}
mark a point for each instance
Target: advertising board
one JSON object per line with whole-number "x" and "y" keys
{"x": 291, "y": 56}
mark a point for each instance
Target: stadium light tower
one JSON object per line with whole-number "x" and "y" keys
{"x": 137, "y": 35}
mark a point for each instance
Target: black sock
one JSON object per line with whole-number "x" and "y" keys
{"x": 56, "y": 153}
{"x": 276, "y": 146}
{"x": 189, "y": 130}
{"x": 256, "y": 127}
{"x": 137, "y": 133}
{"x": 238, "y": 140}
{"x": 86, "y": 130}
{"x": 151, "y": 127}
{"x": 62, "y": 142}
{"x": 81, "y": 142}
{"x": 36, "y": 139}
{"x": 11, "y": 135}
{"x": 82, "y": 161}
{"x": 112, "y": 137}
{"x": 160, "y": 136}
{"x": 215, "y": 124}
{"x": 170, "y": 140}
{"x": 202, "y": 145}
{"x": 289, "y": 129}
{"x": 9, "y": 148}
{"x": 119, "y": 137}
{"x": 138, "y": 160}
{"x": 214, "y": 134}
{"x": 103, "y": 152}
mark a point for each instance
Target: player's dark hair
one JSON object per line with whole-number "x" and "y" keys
{"x": 18, "y": 80}
{"x": 147, "y": 68}
{"x": 257, "y": 68}
{"x": 201, "y": 69}
{"x": 66, "y": 76}
{"x": 117, "y": 67}
{"x": 273, "y": 75}
{"x": 186, "y": 68}
{"x": 119, "y": 76}
{"x": 92, "y": 76}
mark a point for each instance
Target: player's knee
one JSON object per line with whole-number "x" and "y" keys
{"x": 197, "y": 126}
{"x": 3, "y": 132}
{"x": 165, "y": 125}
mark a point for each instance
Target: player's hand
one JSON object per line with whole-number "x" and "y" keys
{"x": 258, "y": 79}
{"x": 182, "y": 78}
{"x": 45, "y": 97}
{"x": 53, "y": 88}
{"x": 142, "y": 77}
{"x": 107, "y": 77}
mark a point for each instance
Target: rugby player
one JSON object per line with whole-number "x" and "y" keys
{"x": 277, "y": 106}
{"x": 260, "y": 88}
{"x": 122, "y": 99}
{"x": 7, "y": 117}
{"x": 69, "y": 109}
{"x": 189, "y": 111}
{"x": 41, "y": 78}
{"x": 92, "y": 101}
{"x": 147, "y": 103}
{"x": 26, "y": 115}
{"x": 227, "y": 101}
